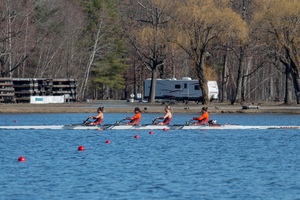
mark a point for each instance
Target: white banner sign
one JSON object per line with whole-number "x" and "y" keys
{"x": 47, "y": 99}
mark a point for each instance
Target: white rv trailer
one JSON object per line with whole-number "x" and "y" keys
{"x": 185, "y": 89}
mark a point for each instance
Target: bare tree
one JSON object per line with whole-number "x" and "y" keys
{"x": 279, "y": 21}
{"x": 199, "y": 23}
{"x": 147, "y": 33}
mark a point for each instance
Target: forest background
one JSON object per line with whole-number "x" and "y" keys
{"x": 251, "y": 47}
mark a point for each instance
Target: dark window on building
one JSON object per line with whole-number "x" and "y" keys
{"x": 177, "y": 86}
{"x": 197, "y": 87}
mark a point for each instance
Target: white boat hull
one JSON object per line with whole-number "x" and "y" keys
{"x": 143, "y": 127}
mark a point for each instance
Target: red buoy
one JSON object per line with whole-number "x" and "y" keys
{"x": 81, "y": 148}
{"x": 107, "y": 141}
{"x": 150, "y": 132}
{"x": 165, "y": 129}
{"x": 136, "y": 136}
{"x": 21, "y": 159}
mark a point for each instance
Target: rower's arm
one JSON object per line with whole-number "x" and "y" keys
{"x": 94, "y": 117}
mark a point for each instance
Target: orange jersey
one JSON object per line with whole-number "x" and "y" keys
{"x": 135, "y": 119}
{"x": 203, "y": 118}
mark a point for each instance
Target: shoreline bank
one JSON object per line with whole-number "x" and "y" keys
{"x": 126, "y": 107}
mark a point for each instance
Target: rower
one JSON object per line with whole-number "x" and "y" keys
{"x": 167, "y": 118}
{"x": 98, "y": 118}
{"x": 203, "y": 119}
{"x": 135, "y": 120}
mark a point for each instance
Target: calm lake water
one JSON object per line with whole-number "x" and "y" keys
{"x": 173, "y": 164}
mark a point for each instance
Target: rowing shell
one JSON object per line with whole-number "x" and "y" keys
{"x": 144, "y": 127}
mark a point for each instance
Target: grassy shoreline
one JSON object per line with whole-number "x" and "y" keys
{"x": 126, "y": 107}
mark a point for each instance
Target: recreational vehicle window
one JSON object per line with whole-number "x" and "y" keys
{"x": 197, "y": 87}
{"x": 177, "y": 86}
{"x": 185, "y": 85}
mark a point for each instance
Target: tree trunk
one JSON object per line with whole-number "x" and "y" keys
{"x": 239, "y": 80}
{"x": 91, "y": 60}
{"x": 202, "y": 80}
{"x": 135, "y": 80}
{"x": 153, "y": 85}
{"x": 287, "y": 96}
{"x": 224, "y": 81}
{"x": 296, "y": 81}
{"x": 9, "y": 36}
{"x": 246, "y": 82}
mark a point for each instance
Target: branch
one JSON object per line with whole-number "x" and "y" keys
{"x": 17, "y": 65}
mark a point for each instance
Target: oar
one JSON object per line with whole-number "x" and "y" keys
{"x": 107, "y": 126}
{"x": 153, "y": 121}
{"x": 189, "y": 122}
{"x": 118, "y": 122}
{"x": 85, "y": 121}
